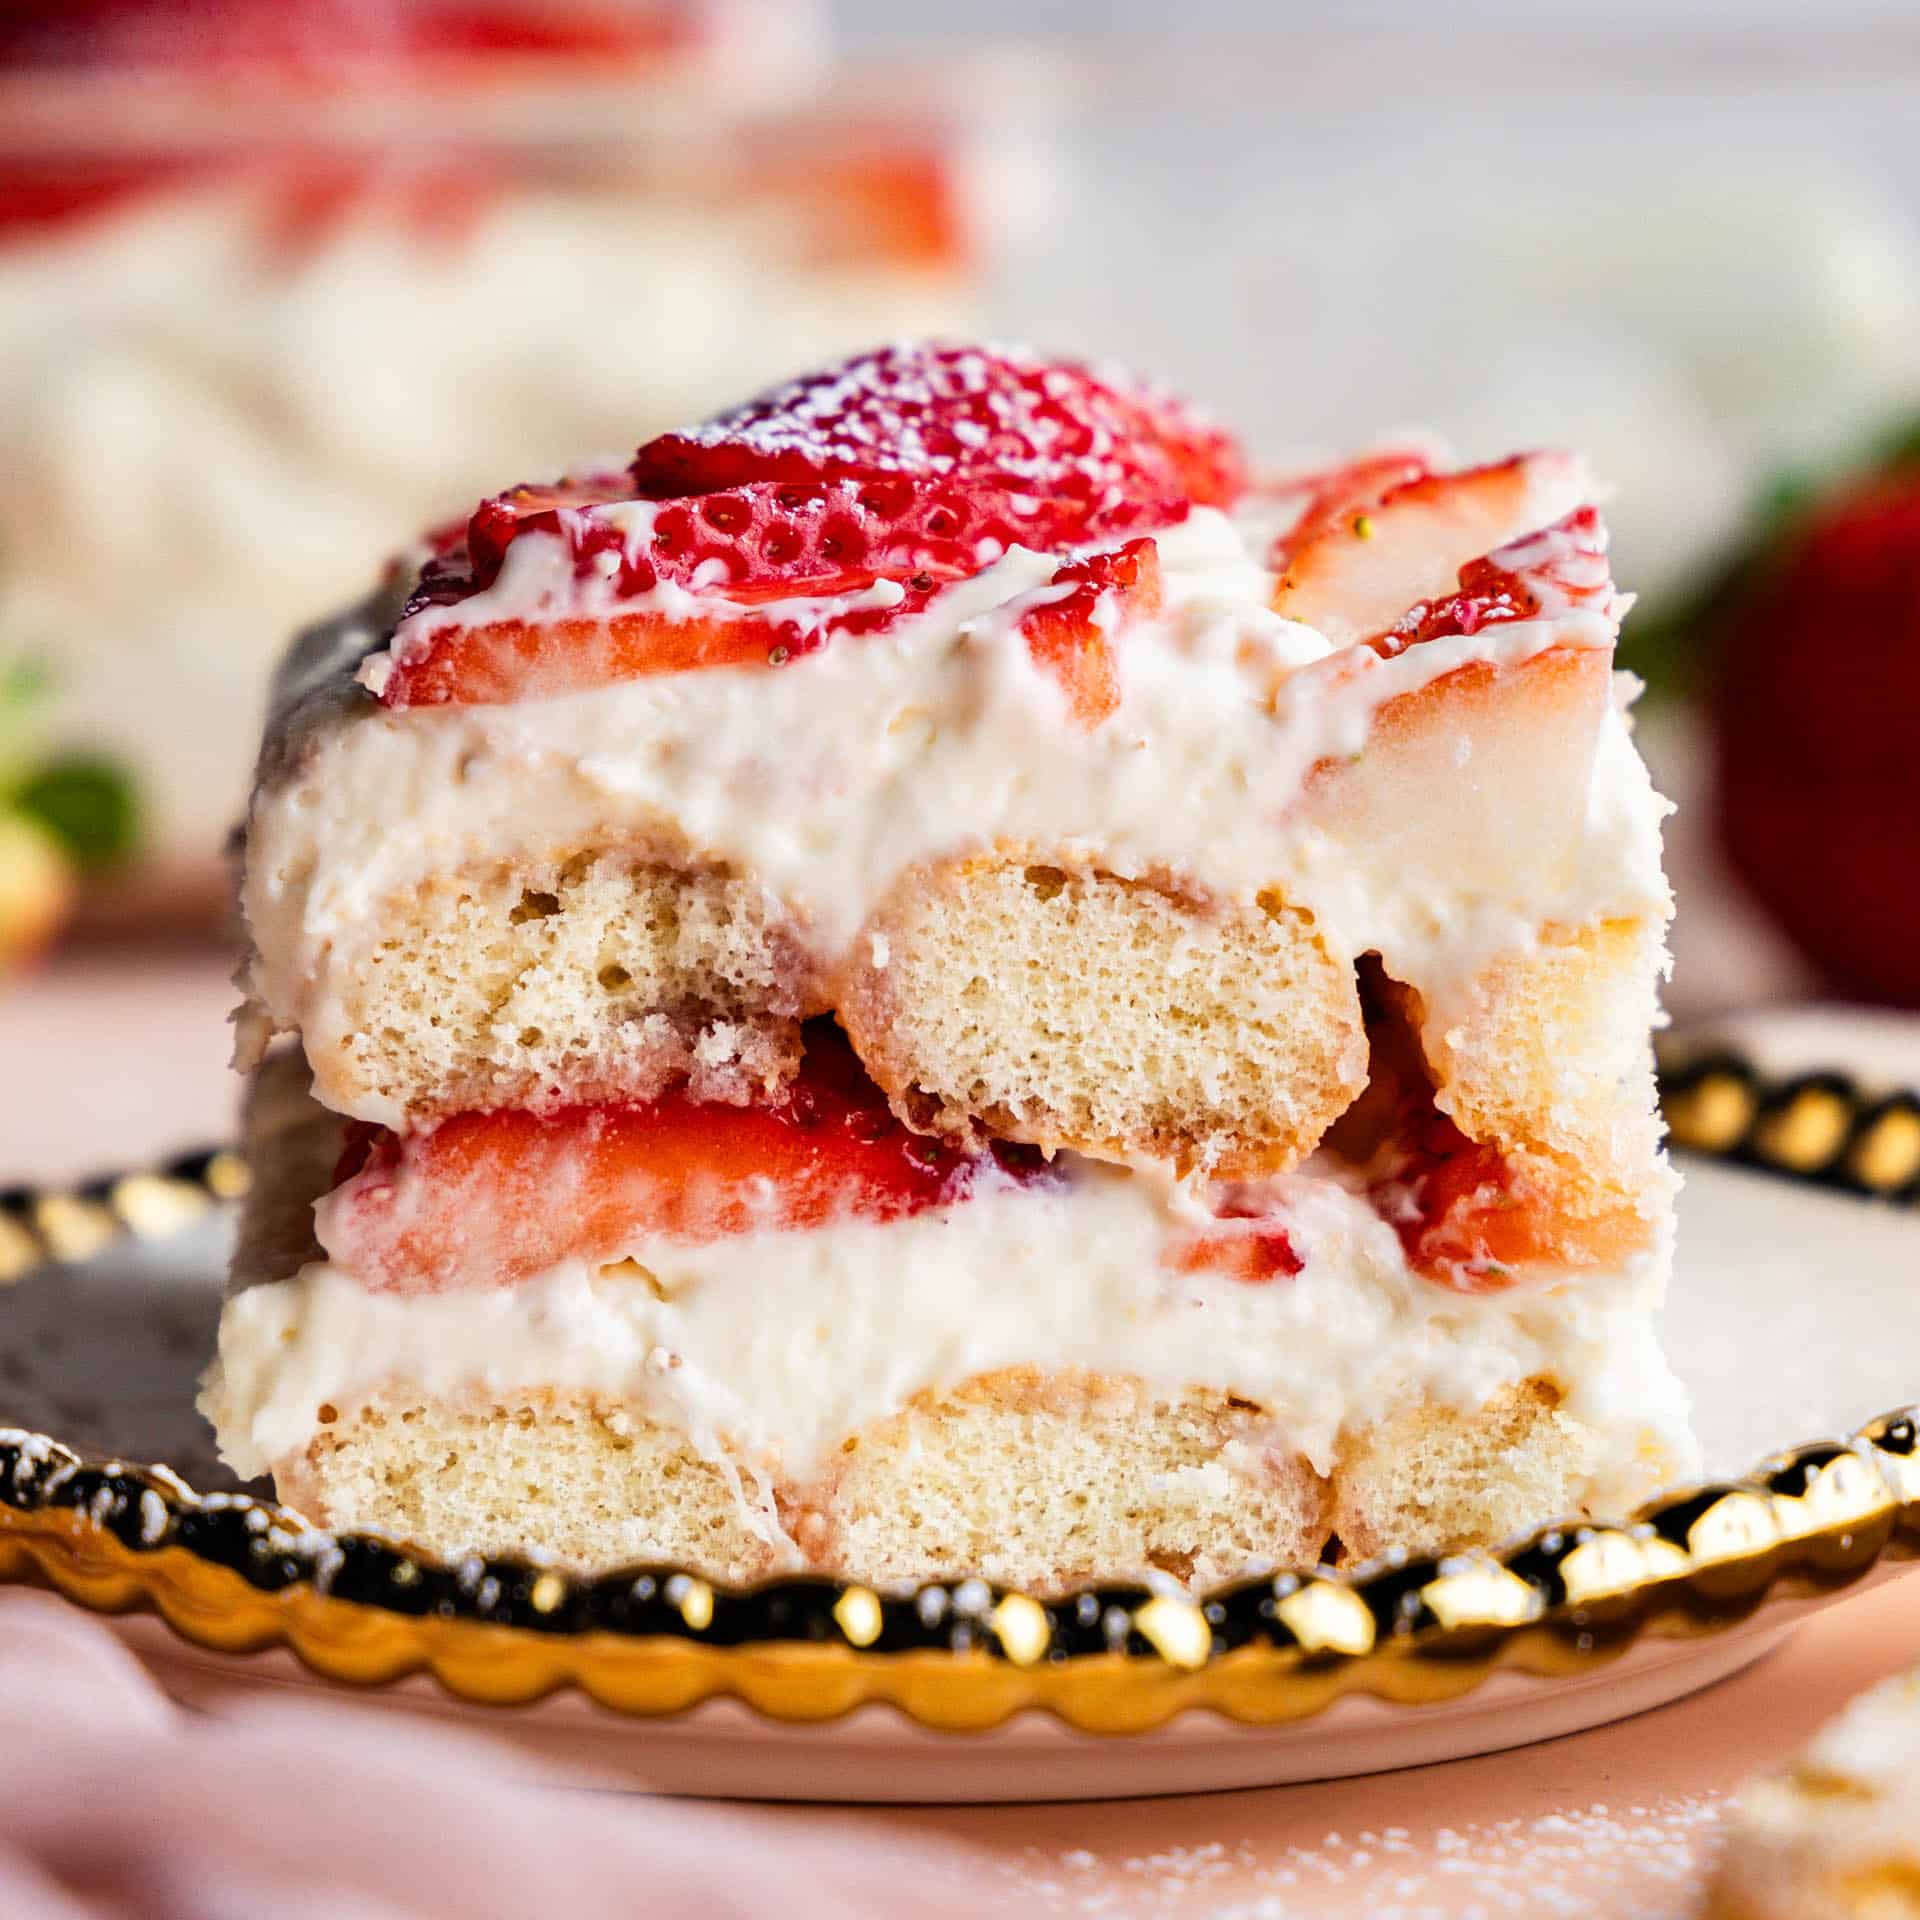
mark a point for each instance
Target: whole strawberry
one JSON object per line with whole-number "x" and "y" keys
{"x": 1815, "y": 701}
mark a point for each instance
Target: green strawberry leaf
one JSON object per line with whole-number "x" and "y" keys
{"x": 1898, "y": 447}
{"x": 86, "y": 802}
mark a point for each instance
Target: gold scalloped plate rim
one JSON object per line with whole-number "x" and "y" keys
{"x": 1808, "y": 1523}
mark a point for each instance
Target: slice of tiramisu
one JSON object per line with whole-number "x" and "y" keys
{"x": 935, "y": 978}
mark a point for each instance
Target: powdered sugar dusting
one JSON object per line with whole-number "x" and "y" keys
{"x": 1649, "y": 1860}
{"x": 910, "y": 468}
{"x": 999, "y": 414}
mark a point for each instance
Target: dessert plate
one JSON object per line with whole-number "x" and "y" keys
{"x": 1795, "y": 1313}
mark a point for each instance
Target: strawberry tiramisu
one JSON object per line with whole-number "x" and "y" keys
{"x": 936, "y": 977}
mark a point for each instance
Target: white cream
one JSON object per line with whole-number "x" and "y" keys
{"x": 829, "y": 778}
{"x": 777, "y": 1345}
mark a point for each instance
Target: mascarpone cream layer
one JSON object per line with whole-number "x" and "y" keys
{"x": 830, "y": 777}
{"x": 774, "y": 1346}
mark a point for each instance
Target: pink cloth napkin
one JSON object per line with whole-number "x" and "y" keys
{"x": 114, "y": 1803}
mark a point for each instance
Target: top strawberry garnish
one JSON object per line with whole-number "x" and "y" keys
{"x": 1335, "y": 493}
{"x": 874, "y": 484}
{"x": 1071, "y": 636}
{"x": 1363, "y": 562}
{"x": 1545, "y": 574}
{"x": 1048, "y": 453}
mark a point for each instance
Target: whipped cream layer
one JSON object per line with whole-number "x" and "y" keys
{"x": 1238, "y": 760}
{"x": 768, "y": 1348}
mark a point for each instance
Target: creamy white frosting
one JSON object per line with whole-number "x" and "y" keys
{"x": 830, "y": 777}
{"x": 776, "y": 1345}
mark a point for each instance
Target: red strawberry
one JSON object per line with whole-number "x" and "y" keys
{"x": 1340, "y": 492}
{"x": 1251, "y": 1243}
{"x": 1816, "y": 704}
{"x": 732, "y": 552}
{"x": 1066, "y": 454}
{"x": 42, "y": 192}
{"x": 1562, "y": 567}
{"x": 1072, "y": 637}
{"x": 491, "y": 1199}
{"x": 1356, "y": 573}
{"x": 904, "y": 469}
{"x": 1452, "y": 1202}
{"x": 288, "y": 37}
{"x": 1451, "y": 1199}
{"x": 852, "y": 202}
{"x": 487, "y": 29}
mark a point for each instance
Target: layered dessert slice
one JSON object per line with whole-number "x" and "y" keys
{"x": 936, "y": 978}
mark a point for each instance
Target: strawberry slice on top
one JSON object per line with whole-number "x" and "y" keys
{"x": 1357, "y": 568}
{"x": 1560, "y": 569}
{"x": 837, "y": 504}
{"x": 1071, "y": 636}
{"x": 1328, "y": 495}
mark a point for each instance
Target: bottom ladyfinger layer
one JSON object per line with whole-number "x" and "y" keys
{"x": 1039, "y": 1482}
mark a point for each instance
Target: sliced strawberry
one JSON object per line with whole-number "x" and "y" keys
{"x": 1454, "y": 1203}
{"x": 911, "y": 466}
{"x": 1067, "y": 455}
{"x": 487, "y": 29}
{"x": 1545, "y": 574}
{"x": 1251, "y": 1242}
{"x": 1452, "y": 1200}
{"x": 1338, "y": 493}
{"x": 1360, "y": 572}
{"x": 511, "y": 660}
{"x": 495, "y": 522}
{"x": 1072, "y": 637}
{"x": 39, "y": 193}
{"x": 857, "y": 198}
{"x": 491, "y": 1199}
{"x": 285, "y": 37}
{"x": 748, "y": 563}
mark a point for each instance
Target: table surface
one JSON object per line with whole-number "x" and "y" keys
{"x": 1624, "y": 1820}
{"x": 118, "y": 1059}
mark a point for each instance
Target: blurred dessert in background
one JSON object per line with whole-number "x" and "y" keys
{"x": 1835, "y": 1835}
{"x": 276, "y": 278}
